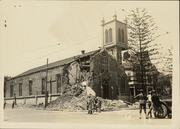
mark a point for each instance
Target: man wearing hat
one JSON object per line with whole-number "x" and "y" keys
{"x": 142, "y": 102}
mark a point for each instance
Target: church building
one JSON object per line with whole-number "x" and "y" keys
{"x": 100, "y": 68}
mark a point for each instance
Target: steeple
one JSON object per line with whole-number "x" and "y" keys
{"x": 114, "y": 37}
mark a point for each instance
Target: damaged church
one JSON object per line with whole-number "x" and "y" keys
{"x": 102, "y": 69}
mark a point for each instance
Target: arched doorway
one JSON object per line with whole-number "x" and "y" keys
{"x": 106, "y": 89}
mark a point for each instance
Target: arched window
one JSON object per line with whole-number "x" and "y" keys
{"x": 110, "y": 35}
{"x": 122, "y": 35}
{"x": 119, "y": 35}
{"x": 106, "y": 36}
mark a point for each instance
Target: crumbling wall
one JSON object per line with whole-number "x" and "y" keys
{"x": 113, "y": 73}
{"x": 73, "y": 73}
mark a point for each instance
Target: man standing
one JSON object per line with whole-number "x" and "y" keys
{"x": 4, "y": 104}
{"x": 15, "y": 99}
{"x": 149, "y": 96}
{"x": 142, "y": 103}
{"x": 13, "y": 105}
{"x": 90, "y": 105}
{"x": 155, "y": 102}
{"x": 95, "y": 103}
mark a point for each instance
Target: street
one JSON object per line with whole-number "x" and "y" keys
{"x": 113, "y": 117}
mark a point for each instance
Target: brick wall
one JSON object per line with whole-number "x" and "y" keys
{"x": 114, "y": 75}
{"x": 68, "y": 74}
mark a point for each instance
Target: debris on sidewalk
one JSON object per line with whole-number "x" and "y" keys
{"x": 76, "y": 100}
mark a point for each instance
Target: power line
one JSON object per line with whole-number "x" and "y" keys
{"x": 162, "y": 34}
{"x": 78, "y": 43}
{"x": 41, "y": 48}
{"x": 50, "y": 45}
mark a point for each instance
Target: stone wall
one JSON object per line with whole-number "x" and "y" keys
{"x": 114, "y": 74}
{"x": 33, "y": 100}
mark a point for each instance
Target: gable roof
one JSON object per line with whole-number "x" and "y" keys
{"x": 56, "y": 64}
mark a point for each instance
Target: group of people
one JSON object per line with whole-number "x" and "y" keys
{"x": 151, "y": 99}
{"x": 93, "y": 104}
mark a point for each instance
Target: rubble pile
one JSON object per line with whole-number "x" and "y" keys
{"x": 70, "y": 102}
{"x": 75, "y": 99}
{"x": 113, "y": 105}
{"x": 133, "y": 106}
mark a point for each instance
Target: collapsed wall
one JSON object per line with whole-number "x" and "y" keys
{"x": 77, "y": 101}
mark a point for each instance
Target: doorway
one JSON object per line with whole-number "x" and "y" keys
{"x": 106, "y": 89}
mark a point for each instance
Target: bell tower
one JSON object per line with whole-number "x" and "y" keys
{"x": 114, "y": 37}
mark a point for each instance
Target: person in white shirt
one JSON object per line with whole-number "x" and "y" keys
{"x": 149, "y": 101}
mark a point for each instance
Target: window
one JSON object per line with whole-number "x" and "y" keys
{"x": 106, "y": 36}
{"x": 129, "y": 76}
{"x": 50, "y": 86}
{"x": 110, "y": 35}
{"x": 43, "y": 86}
{"x": 20, "y": 89}
{"x": 138, "y": 77}
{"x": 30, "y": 87}
{"x": 120, "y": 58}
{"x": 104, "y": 60}
{"x": 11, "y": 90}
{"x": 149, "y": 79}
{"x": 104, "y": 63}
{"x": 119, "y": 35}
{"x": 58, "y": 76}
{"x": 122, "y": 35}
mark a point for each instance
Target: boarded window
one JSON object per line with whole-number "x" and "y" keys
{"x": 30, "y": 87}
{"x": 11, "y": 90}
{"x": 20, "y": 89}
{"x": 43, "y": 86}
{"x": 58, "y": 76}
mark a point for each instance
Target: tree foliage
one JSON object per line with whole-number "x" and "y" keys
{"x": 141, "y": 37}
{"x": 165, "y": 82}
{"x": 168, "y": 63}
{"x": 141, "y": 34}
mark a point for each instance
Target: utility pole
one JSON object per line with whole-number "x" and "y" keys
{"x": 46, "y": 92}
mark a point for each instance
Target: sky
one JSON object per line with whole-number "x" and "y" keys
{"x": 37, "y": 30}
